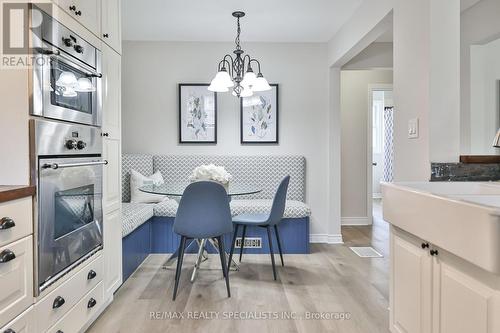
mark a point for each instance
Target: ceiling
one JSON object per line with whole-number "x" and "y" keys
{"x": 205, "y": 20}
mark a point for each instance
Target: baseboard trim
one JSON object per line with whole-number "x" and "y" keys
{"x": 355, "y": 221}
{"x": 326, "y": 238}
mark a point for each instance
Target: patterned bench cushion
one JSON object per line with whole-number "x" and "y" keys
{"x": 166, "y": 208}
{"x": 134, "y": 215}
{"x": 293, "y": 208}
{"x": 264, "y": 172}
{"x": 139, "y": 162}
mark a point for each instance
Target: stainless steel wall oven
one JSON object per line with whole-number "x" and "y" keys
{"x": 68, "y": 167}
{"x": 66, "y": 78}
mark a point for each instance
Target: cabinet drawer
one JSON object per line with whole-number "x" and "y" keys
{"x": 16, "y": 276}
{"x": 20, "y": 212}
{"x": 24, "y": 323}
{"x": 58, "y": 302}
{"x": 83, "y": 311}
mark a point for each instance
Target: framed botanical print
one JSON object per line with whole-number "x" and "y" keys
{"x": 197, "y": 114}
{"x": 259, "y": 117}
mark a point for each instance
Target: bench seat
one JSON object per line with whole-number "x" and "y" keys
{"x": 134, "y": 215}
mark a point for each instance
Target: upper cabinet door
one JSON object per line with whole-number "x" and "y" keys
{"x": 87, "y": 12}
{"x": 111, "y": 110}
{"x": 111, "y": 24}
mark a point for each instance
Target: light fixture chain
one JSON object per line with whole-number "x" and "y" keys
{"x": 237, "y": 41}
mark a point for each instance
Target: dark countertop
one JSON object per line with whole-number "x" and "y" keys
{"x": 12, "y": 192}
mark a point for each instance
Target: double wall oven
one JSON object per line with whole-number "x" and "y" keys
{"x": 66, "y": 150}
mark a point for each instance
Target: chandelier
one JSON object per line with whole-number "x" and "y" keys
{"x": 237, "y": 73}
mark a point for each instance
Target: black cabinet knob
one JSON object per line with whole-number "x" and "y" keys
{"x": 72, "y": 8}
{"x": 78, "y": 48}
{"x": 9, "y": 330}
{"x": 425, "y": 245}
{"x": 6, "y": 223}
{"x": 6, "y": 256}
{"x": 92, "y": 274}
{"x": 105, "y": 134}
{"x": 67, "y": 41}
{"x": 105, "y": 35}
{"x": 434, "y": 252}
{"x": 59, "y": 331}
{"x": 78, "y": 13}
{"x": 92, "y": 302}
{"x": 58, "y": 302}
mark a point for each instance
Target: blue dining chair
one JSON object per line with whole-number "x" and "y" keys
{"x": 264, "y": 220}
{"x": 203, "y": 213}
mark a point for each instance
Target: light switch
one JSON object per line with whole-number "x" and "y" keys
{"x": 413, "y": 128}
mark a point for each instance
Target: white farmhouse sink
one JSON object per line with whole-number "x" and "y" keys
{"x": 460, "y": 217}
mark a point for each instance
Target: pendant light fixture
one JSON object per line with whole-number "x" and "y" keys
{"x": 237, "y": 73}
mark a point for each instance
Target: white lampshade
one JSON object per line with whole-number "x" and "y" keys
{"x": 249, "y": 79}
{"x": 217, "y": 86}
{"x": 261, "y": 84}
{"x": 222, "y": 78}
{"x": 67, "y": 79}
{"x": 84, "y": 85}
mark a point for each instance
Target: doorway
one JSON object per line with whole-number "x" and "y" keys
{"x": 380, "y": 136}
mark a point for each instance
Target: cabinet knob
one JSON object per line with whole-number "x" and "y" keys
{"x": 105, "y": 35}
{"x": 434, "y": 252}
{"x": 72, "y": 8}
{"x": 92, "y": 274}
{"x": 58, "y": 302}
{"x": 6, "y": 256}
{"x": 92, "y": 302}
{"x": 59, "y": 331}
{"x": 425, "y": 245}
{"x": 105, "y": 134}
{"x": 78, "y": 13}
{"x": 6, "y": 223}
{"x": 9, "y": 330}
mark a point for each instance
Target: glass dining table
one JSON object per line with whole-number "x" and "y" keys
{"x": 176, "y": 190}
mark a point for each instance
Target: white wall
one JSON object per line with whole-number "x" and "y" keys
{"x": 479, "y": 25}
{"x": 355, "y": 104}
{"x": 152, "y": 70}
{"x": 376, "y": 55}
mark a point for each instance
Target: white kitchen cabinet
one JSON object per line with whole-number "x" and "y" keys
{"x": 438, "y": 292}
{"x": 87, "y": 12}
{"x": 111, "y": 102}
{"x": 24, "y": 323}
{"x": 112, "y": 172}
{"x": 112, "y": 252}
{"x": 16, "y": 275}
{"x": 411, "y": 276}
{"x": 111, "y": 24}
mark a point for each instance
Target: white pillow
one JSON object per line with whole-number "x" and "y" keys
{"x": 138, "y": 180}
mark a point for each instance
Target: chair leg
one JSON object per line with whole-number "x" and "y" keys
{"x": 279, "y": 243}
{"x": 233, "y": 244}
{"x": 221, "y": 254}
{"x": 243, "y": 241}
{"x": 182, "y": 246}
{"x": 225, "y": 267}
{"x": 271, "y": 249}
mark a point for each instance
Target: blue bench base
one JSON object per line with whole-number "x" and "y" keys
{"x": 156, "y": 236}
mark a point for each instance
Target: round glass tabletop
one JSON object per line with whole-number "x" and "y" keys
{"x": 177, "y": 189}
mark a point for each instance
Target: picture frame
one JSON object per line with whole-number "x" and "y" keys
{"x": 259, "y": 117}
{"x": 197, "y": 114}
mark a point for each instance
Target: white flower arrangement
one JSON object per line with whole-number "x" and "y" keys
{"x": 211, "y": 172}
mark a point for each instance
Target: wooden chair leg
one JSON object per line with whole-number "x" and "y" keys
{"x": 243, "y": 241}
{"x": 223, "y": 263}
{"x": 279, "y": 243}
{"x": 182, "y": 246}
{"x": 233, "y": 244}
{"x": 269, "y": 236}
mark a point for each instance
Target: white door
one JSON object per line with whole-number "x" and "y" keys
{"x": 112, "y": 252}
{"x": 87, "y": 12}
{"x": 377, "y": 141}
{"x": 111, "y": 24}
{"x": 465, "y": 304}
{"x": 111, "y": 80}
{"x": 411, "y": 286}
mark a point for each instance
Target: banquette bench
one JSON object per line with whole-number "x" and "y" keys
{"x": 147, "y": 228}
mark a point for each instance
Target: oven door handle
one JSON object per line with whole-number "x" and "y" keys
{"x": 57, "y": 53}
{"x": 56, "y": 166}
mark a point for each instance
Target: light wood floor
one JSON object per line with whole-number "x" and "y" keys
{"x": 332, "y": 279}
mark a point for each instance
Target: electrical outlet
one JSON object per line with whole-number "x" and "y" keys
{"x": 413, "y": 128}
{"x": 250, "y": 242}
